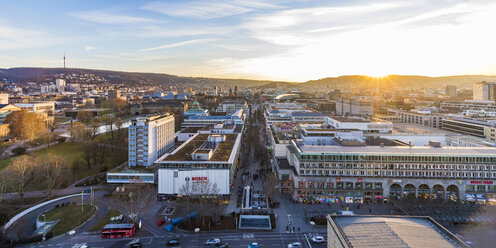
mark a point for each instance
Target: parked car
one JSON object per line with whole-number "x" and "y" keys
{"x": 173, "y": 242}
{"x": 212, "y": 242}
{"x": 295, "y": 245}
{"x": 223, "y": 245}
{"x": 318, "y": 239}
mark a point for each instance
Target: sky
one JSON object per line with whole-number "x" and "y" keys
{"x": 274, "y": 40}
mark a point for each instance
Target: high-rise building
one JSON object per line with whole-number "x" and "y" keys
{"x": 150, "y": 138}
{"x": 485, "y": 91}
{"x": 450, "y": 90}
{"x": 216, "y": 90}
{"x": 60, "y": 85}
{"x": 230, "y": 91}
{"x": 236, "y": 90}
{"x": 354, "y": 107}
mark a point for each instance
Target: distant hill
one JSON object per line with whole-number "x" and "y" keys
{"x": 39, "y": 75}
{"x": 33, "y": 74}
{"x": 395, "y": 81}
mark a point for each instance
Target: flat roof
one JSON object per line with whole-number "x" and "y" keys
{"x": 184, "y": 152}
{"x": 397, "y": 150}
{"x": 357, "y": 119}
{"x": 393, "y": 232}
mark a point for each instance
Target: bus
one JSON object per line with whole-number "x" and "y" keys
{"x": 118, "y": 231}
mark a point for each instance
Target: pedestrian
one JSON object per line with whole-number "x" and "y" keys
{"x": 370, "y": 210}
{"x": 298, "y": 229}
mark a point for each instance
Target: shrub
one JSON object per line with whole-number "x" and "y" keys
{"x": 61, "y": 139}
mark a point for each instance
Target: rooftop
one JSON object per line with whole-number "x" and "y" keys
{"x": 184, "y": 152}
{"x": 398, "y": 150}
{"x": 394, "y": 232}
{"x": 356, "y": 119}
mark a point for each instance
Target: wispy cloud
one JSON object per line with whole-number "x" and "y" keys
{"x": 177, "y": 44}
{"x": 207, "y": 9}
{"x": 89, "y": 48}
{"x": 16, "y": 38}
{"x": 102, "y": 17}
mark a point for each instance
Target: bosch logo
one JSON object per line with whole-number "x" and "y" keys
{"x": 199, "y": 178}
{"x": 186, "y": 179}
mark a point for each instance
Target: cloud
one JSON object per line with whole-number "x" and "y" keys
{"x": 16, "y": 38}
{"x": 177, "y": 44}
{"x": 102, "y": 17}
{"x": 206, "y": 9}
{"x": 89, "y": 48}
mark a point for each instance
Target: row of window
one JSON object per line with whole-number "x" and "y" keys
{"x": 398, "y": 166}
{"x": 380, "y": 158}
{"x": 391, "y": 173}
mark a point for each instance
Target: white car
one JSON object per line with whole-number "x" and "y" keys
{"x": 295, "y": 245}
{"x": 83, "y": 245}
{"x": 212, "y": 242}
{"x": 318, "y": 239}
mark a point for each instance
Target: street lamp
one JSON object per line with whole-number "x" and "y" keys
{"x": 44, "y": 223}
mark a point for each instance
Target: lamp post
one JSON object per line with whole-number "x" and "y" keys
{"x": 44, "y": 223}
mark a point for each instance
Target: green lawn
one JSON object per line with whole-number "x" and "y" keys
{"x": 98, "y": 226}
{"x": 71, "y": 152}
{"x": 69, "y": 217}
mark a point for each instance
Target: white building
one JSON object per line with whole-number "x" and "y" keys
{"x": 372, "y": 125}
{"x": 420, "y": 117}
{"x": 150, "y": 138}
{"x": 38, "y": 107}
{"x": 204, "y": 160}
{"x": 230, "y": 108}
{"x": 60, "y": 85}
{"x": 4, "y": 98}
{"x": 485, "y": 91}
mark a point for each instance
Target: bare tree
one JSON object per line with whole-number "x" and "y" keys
{"x": 22, "y": 169}
{"x": 207, "y": 192}
{"x": 134, "y": 198}
{"x": 3, "y": 183}
{"x": 187, "y": 192}
{"x": 52, "y": 171}
{"x": 77, "y": 131}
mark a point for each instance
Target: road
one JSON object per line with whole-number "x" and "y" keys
{"x": 264, "y": 239}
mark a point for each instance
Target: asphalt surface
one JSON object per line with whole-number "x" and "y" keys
{"x": 241, "y": 239}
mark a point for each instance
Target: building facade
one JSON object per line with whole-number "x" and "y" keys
{"x": 346, "y": 106}
{"x": 424, "y": 118}
{"x": 149, "y": 138}
{"x": 204, "y": 161}
{"x": 485, "y": 91}
{"x": 38, "y": 107}
{"x": 373, "y": 173}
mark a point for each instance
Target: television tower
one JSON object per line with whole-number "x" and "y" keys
{"x": 64, "y": 60}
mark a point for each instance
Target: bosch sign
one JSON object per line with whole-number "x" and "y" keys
{"x": 199, "y": 179}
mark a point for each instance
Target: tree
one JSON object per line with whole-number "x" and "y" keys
{"x": 117, "y": 104}
{"x": 26, "y": 125}
{"x": 186, "y": 190}
{"x": 78, "y": 131}
{"x": 207, "y": 192}
{"x": 3, "y": 183}
{"x": 52, "y": 170}
{"x": 134, "y": 198}
{"x": 19, "y": 150}
{"x": 85, "y": 116}
{"x": 22, "y": 169}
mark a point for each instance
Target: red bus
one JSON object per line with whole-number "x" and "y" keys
{"x": 118, "y": 231}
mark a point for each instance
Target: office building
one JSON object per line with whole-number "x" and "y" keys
{"x": 229, "y": 107}
{"x": 347, "y": 106}
{"x": 149, "y": 138}
{"x": 114, "y": 94}
{"x": 377, "y": 172}
{"x": 474, "y": 127}
{"x": 419, "y": 117}
{"x": 38, "y": 107}
{"x": 485, "y": 91}
{"x": 204, "y": 160}
{"x": 60, "y": 85}
{"x": 450, "y": 91}
{"x": 366, "y": 124}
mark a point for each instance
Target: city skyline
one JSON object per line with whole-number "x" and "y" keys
{"x": 280, "y": 40}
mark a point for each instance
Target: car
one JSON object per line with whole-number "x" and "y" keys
{"x": 135, "y": 244}
{"x": 253, "y": 245}
{"x": 83, "y": 245}
{"x": 222, "y": 245}
{"x": 173, "y": 242}
{"x": 295, "y": 245}
{"x": 318, "y": 239}
{"x": 212, "y": 242}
